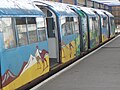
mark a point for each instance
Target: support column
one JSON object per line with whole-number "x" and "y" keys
{"x": 85, "y": 3}
{"x": 75, "y": 2}
{"x": 60, "y": 1}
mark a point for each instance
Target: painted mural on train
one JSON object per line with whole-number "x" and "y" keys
{"x": 14, "y": 76}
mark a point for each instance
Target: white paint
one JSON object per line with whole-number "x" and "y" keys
{"x": 70, "y": 66}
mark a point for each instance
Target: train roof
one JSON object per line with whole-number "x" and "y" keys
{"x": 9, "y": 8}
{"x": 88, "y": 11}
{"x": 59, "y": 8}
{"x": 108, "y": 13}
{"x": 99, "y": 12}
{"x": 77, "y": 9}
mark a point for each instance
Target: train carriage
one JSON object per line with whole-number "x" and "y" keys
{"x": 39, "y": 38}
{"x": 83, "y": 28}
{"x": 111, "y": 24}
{"x": 103, "y": 25}
{"x": 62, "y": 22}
{"x": 23, "y": 44}
{"x": 93, "y": 28}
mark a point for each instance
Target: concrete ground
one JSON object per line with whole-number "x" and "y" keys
{"x": 99, "y": 71}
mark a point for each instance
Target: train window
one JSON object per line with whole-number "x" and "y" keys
{"x": 31, "y": 26}
{"x": 50, "y": 26}
{"x": 91, "y": 24}
{"x": 95, "y": 22}
{"x": 41, "y": 27}
{"x": 104, "y": 22}
{"x": 68, "y": 28}
{"x": 63, "y": 26}
{"x": 76, "y": 27}
{"x": 8, "y": 33}
{"x": 112, "y": 21}
{"x": 64, "y": 31}
{"x": 68, "y": 25}
{"x": 22, "y": 32}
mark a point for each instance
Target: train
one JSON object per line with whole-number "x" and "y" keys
{"x": 39, "y": 38}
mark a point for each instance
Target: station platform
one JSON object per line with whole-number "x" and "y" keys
{"x": 97, "y": 71}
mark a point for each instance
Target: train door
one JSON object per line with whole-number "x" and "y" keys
{"x": 52, "y": 36}
{"x": 92, "y": 32}
{"x": 98, "y": 27}
{"x": 84, "y": 29}
{"x": 70, "y": 42}
{"x": 112, "y": 26}
{"x": 108, "y": 25}
{"x": 105, "y": 31}
{"x": 97, "y": 30}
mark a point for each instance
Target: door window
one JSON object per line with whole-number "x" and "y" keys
{"x": 41, "y": 27}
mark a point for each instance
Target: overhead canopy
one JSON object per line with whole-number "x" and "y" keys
{"x": 9, "y": 8}
{"x": 108, "y": 2}
{"x": 59, "y": 8}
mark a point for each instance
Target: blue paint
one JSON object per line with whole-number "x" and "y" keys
{"x": 13, "y": 59}
{"x": 105, "y": 31}
{"x": 69, "y": 38}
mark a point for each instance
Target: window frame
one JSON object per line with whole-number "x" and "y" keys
{"x": 45, "y": 29}
{"x": 69, "y": 25}
{"x": 13, "y": 32}
{"x": 28, "y": 35}
{"x": 17, "y": 34}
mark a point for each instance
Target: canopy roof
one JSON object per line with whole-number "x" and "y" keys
{"x": 16, "y": 8}
{"x": 108, "y": 2}
{"x": 59, "y": 8}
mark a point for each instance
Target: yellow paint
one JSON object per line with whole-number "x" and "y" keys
{"x": 104, "y": 38}
{"x": 29, "y": 75}
{"x": 67, "y": 53}
{"x": 112, "y": 35}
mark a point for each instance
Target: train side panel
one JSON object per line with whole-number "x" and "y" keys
{"x": 70, "y": 42}
{"x": 22, "y": 64}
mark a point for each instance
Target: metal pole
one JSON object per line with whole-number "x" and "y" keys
{"x": 93, "y": 4}
{"x": 75, "y": 2}
{"x": 60, "y": 1}
{"x": 86, "y": 3}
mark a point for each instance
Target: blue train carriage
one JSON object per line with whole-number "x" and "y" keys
{"x": 23, "y": 44}
{"x": 83, "y": 27}
{"x": 63, "y": 31}
{"x": 103, "y": 25}
{"x": 111, "y": 24}
{"x": 93, "y": 27}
